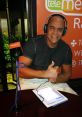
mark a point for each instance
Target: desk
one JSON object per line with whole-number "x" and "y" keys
{"x": 31, "y": 106}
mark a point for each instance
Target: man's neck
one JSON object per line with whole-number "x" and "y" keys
{"x": 51, "y": 45}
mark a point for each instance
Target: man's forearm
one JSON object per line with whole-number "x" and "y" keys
{"x": 63, "y": 77}
{"x": 31, "y": 73}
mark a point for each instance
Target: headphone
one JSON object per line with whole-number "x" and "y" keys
{"x": 53, "y": 15}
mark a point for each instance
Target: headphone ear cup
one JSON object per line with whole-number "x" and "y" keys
{"x": 64, "y": 31}
{"x": 45, "y": 28}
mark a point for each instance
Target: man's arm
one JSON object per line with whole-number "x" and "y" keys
{"x": 26, "y": 72}
{"x": 64, "y": 75}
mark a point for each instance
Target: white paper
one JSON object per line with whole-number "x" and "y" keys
{"x": 36, "y": 82}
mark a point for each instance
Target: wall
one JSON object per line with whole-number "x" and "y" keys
{"x": 72, "y": 9}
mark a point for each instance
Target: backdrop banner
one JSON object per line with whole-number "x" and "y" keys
{"x": 72, "y": 10}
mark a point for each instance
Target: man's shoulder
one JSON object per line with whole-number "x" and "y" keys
{"x": 39, "y": 39}
{"x": 34, "y": 41}
{"x": 64, "y": 44}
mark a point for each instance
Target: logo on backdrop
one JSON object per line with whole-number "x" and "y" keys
{"x": 73, "y": 43}
{"x": 77, "y": 52}
{"x": 67, "y": 7}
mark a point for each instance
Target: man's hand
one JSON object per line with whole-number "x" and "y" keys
{"x": 53, "y": 79}
{"x": 52, "y": 72}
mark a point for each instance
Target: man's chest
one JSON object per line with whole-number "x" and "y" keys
{"x": 45, "y": 56}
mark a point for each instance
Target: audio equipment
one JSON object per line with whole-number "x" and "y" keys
{"x": 50, "y": 17}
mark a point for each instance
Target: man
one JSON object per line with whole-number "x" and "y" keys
{"x": 48, "y": 56}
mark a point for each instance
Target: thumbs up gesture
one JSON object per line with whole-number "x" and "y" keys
{"x": 52, "y": 72}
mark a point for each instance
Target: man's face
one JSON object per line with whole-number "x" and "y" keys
{"x": 54, "y": 30}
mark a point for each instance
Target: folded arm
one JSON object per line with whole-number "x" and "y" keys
{"x": 52, "y": 73}
{"x": 27, "y": 72}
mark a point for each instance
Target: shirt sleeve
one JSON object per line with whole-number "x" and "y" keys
{"x": 68, "y": 56}
{"x": 29, "y": 49}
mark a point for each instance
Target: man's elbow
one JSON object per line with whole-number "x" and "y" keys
{"x": 68, "y": 76}
{"x": 21, "y": 73}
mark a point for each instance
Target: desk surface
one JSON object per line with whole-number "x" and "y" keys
{"x": 31, "y": 106}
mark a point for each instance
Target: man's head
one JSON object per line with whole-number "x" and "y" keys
{"x": 55, "y": 28}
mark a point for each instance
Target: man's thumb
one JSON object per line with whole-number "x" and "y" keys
{"x": 52, "y": 64}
